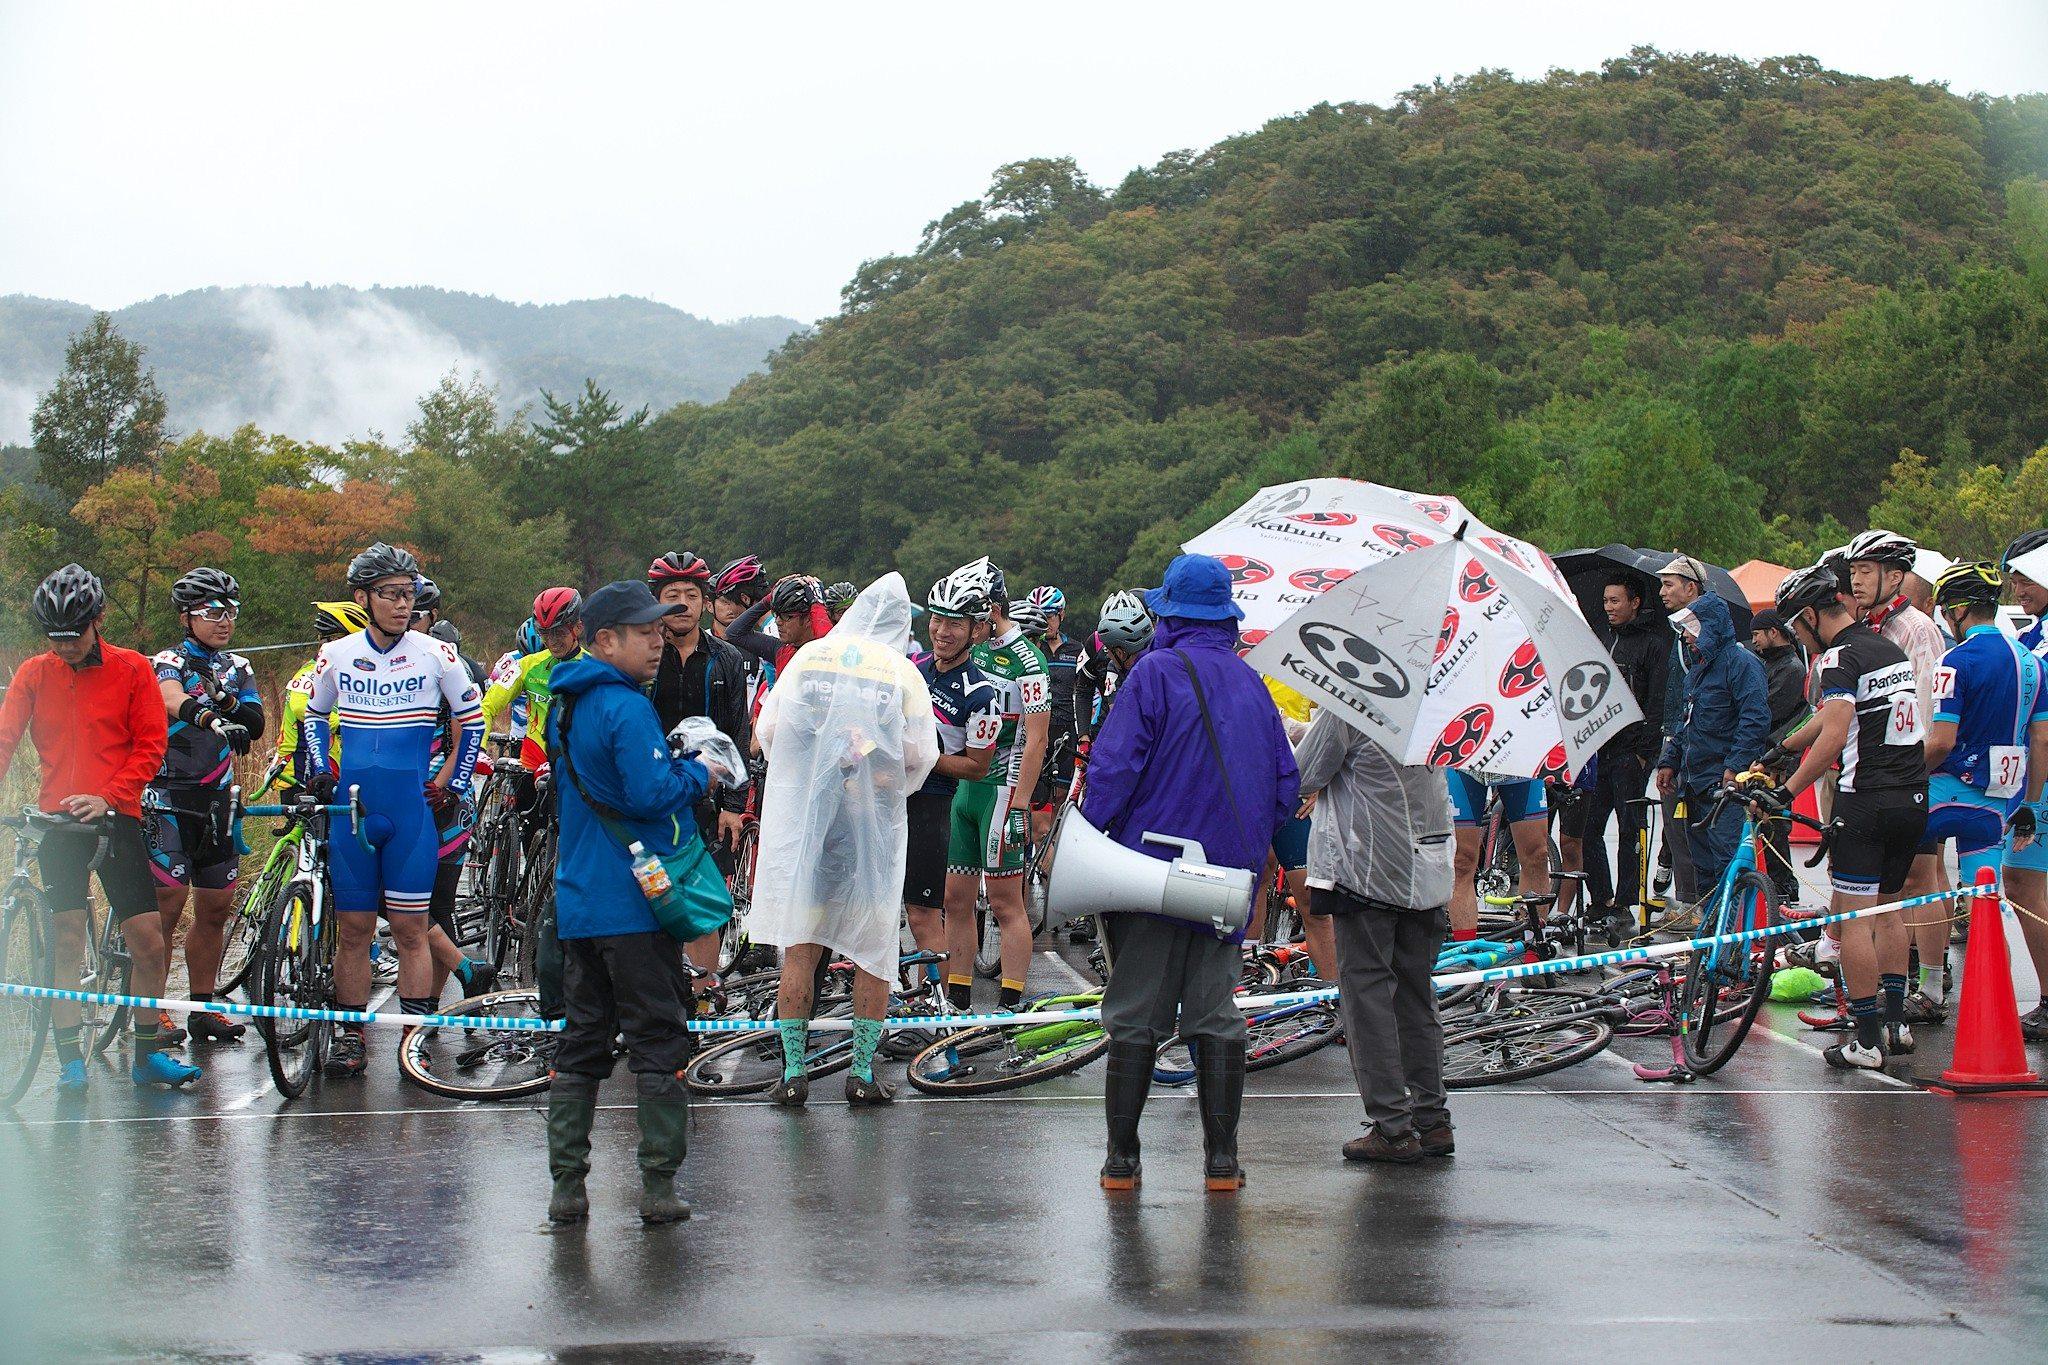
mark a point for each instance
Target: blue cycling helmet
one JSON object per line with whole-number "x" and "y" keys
{"x": 529, "y": 637}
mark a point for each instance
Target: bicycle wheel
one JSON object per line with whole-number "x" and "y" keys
{"x": 1723, "y": 988}
{"x": 996, "y": 1057}
{"x": 107, "y": 971}
{"x": 293, "y": 975}
{"x": 752, "y": 1062}
{"x": 988, "y": 939}
{"x": 536, "y": 900}
{"x": 245, "y": 924}
{"x": 1282, "y": 1036}
{"x": 477, "y": 1061}
{"x": 498, "y": 887}
{"x": 24, "y": 1021}
{"x": 1517, "y": 1049}
{"x": 733, "y": 942}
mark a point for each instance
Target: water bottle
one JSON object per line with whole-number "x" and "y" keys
{"x": 648, "y": 871}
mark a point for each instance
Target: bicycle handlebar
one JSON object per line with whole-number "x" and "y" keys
{"x": 306, "y": 809}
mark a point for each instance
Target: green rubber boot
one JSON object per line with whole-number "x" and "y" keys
{"x": 664, "y": 1113}
{"x": 572, "y": 1109}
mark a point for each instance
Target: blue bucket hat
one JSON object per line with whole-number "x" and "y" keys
{"x": 1196, "y": 588}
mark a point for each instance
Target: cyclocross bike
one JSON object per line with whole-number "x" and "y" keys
{"x": 295, "y": 967}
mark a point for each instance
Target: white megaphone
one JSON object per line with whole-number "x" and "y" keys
{"x": 1092, "y": 874}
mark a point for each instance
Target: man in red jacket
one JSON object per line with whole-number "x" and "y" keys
{"x": 93, "y": 711}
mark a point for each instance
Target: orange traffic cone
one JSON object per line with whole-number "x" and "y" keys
{"x": 1989, "y": 1058}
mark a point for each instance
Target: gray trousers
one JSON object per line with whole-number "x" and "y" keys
{"x": 1391, "y": 1026}
{"x": 1165, "y": 976}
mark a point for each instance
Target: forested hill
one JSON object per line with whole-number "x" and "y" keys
{"x": 1677, "y": 300}
{"x": 330, "y": 357}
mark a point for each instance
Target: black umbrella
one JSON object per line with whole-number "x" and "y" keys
{"x": 1589, "y": 571}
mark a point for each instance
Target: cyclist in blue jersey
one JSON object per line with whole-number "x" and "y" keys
{"x": 383, "y": 688}
{"x": 1988, "y": 747}
{"x": 2026, "y": 869}
{"x": 1525, "y": 810}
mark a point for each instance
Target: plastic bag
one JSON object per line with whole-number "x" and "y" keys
{"x": 696, "y": 737}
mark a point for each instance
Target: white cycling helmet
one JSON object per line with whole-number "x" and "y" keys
{"x": 1888, "y": 548}
{"x": 964, "y": 599}
{"x": 1125, "y": 623}
{"x": 1029, "y": 616}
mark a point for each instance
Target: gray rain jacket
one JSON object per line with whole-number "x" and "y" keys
{"x": 1381, "y": 830}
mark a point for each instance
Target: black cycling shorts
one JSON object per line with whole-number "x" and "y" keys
{"x": 1572, "y": 805}
{"x": 1876, "y": 835}
{"x": 124, "y": 873}
{"x": 924, "y": 864}
{"x": 191, "y": 840}
{"x": 1055, "y": 777}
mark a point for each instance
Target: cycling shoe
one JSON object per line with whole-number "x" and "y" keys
{"x": 160, "y": 1069}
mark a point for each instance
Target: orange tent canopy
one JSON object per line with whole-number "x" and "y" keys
{"x": 1759, "y": 581}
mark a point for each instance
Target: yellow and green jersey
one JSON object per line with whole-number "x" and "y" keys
{"x": 524, "y": 677}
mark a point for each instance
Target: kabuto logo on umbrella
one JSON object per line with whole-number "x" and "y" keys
{"x": 1474, "y": 583}
{"x": 1244, "y": 570}
{"x": 1556, "y": 766}
{"x": 1353, "y": 659}
{"x": 1248, "y": 640}
{"x": 1583, "y": 688}
{"x": 1325, "y": 518}
{"x": 1446, "y": 633}
{"x": 1523, "y": 671}
{"x": 1402, "y": 538}
{"x": 1462, "y": 737}
{"x": 1436, "y": 509}
{"x": 1318, "y": 580}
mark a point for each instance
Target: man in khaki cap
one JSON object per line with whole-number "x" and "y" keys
{"x": 1679, "y": 584}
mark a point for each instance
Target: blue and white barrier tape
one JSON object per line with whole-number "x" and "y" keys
{"x": 1617, "y": 957}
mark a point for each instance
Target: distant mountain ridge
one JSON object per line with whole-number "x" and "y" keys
{"x": 328, "y": 361}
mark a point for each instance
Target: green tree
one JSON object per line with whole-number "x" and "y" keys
{"x": 591, "y": 465}
{"x": 105, "y": 412}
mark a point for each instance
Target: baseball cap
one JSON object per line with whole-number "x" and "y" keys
{"x": 1683, "y": 565}
{"x": 1768, "y": 619}
{"x": 625, "y": 603}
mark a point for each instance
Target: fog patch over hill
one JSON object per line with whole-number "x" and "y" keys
{"x": 352, "y": 371}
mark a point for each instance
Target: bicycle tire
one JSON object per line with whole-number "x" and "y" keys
{"x": 752, "y": 1062}
{"x": 936, "y": 1070}
{"x": 1517, "y": 1050}
{"x": 25, "y": 958}
{"x": 506, "y": 1064}
{"x": 500, "y": 889}
{"x": 293, "y": 1048}
{"x": 1712, "y": 1027}
{"x": 101, "y": 1024}
{"x": 988, "y": 939}
{"x": 1277, "y": 1038}
{"x": 733, "y": 942}
{"x": 245, "y": 927}
{"x": 536, "y": 899}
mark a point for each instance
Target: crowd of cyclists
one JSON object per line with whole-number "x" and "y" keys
{"x": 1924, "y": 725}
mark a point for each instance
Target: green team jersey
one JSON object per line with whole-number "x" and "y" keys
{"x": 1023, "y": 683}
{"x": 527, "y": 677}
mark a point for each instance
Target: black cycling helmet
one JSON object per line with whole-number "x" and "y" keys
{"x": 2030, "y": 540}
{"x": 1969, "y": 583}
{"x": 68, "y": 601}
{"x": 1836, "y": 561}
{"x": 1818, "y": 586}
{"x": 428, "y": 597}
{"x": 201, "y": 586}
{"x": 838, "y": 597}
{"x": 381, "y": 561}
{"x": 793, "y": 596}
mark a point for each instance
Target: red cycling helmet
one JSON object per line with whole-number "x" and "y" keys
{"x": 557, "y": 607}
{"x": 678, "y": 566}
{"x": 744, "y": 578}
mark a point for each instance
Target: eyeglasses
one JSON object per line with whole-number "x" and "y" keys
{"x": 218, "y": 612}
{"x": 393, "y": 594}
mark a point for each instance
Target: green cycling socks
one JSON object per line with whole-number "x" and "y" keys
{"x": 867, "y": 1036}
{"x": 796, "y": 1044}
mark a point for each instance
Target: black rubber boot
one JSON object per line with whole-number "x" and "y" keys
{"x": 1219, "y": 1086}
{"x": 572, "y": 1109}
{"x": 1123, "y": 1100}
{"x": 664, "y": 1114}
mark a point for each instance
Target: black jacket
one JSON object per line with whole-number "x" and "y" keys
{"x": 1642, "y": 655}
{"x": 1785, "y": 686}
{"x": 725, "y": 696}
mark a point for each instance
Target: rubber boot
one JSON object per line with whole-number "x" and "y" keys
{"x": 1219, "y": 1086}
{"x": 664, "y": 1114}
{"x": 1123, "y": 1101}
{"x": 572, "y": 1109}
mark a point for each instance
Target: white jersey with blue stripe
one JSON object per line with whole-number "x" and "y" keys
{"x": 1990, "y": 687}
{"x": 386, "y": 702}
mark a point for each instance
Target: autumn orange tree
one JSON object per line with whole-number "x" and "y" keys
{"x": 134, "y": 513}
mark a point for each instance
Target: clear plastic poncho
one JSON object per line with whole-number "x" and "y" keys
{"x": 848, "y": 733}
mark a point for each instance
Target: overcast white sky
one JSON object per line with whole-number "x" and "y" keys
{"x": 736, "y": 160}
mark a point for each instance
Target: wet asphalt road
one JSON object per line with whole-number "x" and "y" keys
{"x": 1777, "y": 1208}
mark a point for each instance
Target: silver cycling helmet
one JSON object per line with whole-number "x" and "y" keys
{"x": 1125, "y": 624}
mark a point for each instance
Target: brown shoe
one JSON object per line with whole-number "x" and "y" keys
{"x": 1377, "y": 1146}
{"x": 1437, "y": 1141}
